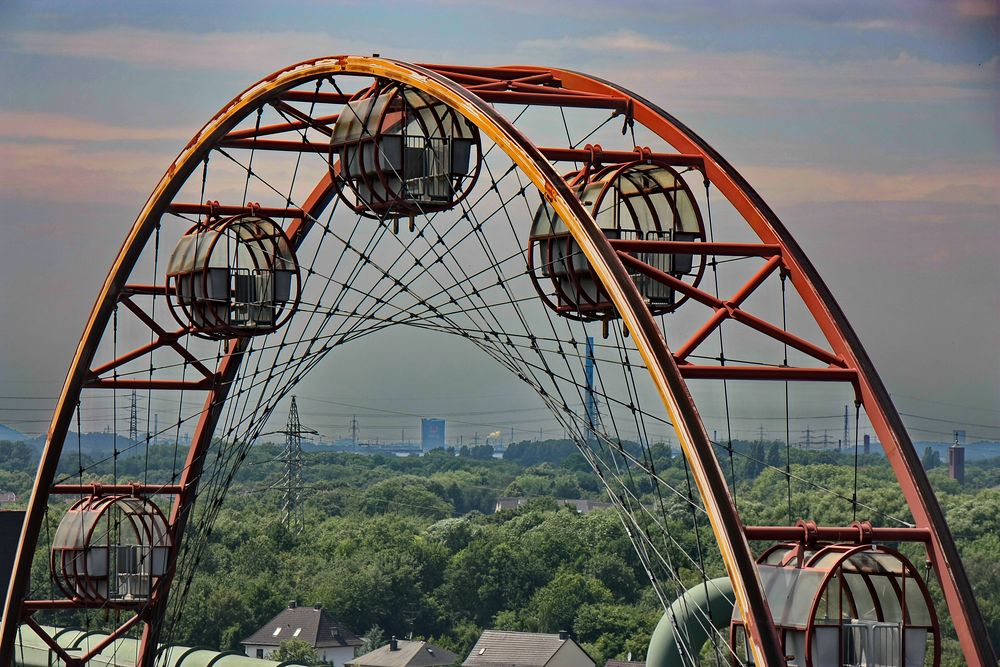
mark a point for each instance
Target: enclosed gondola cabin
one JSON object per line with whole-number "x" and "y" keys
{"x": 399, "y": 152}
{"x": 110, "y": 548}
{"x": 641, "y": 201}
{"x": 845, "y": 605}
{"x": 233, "y": 277}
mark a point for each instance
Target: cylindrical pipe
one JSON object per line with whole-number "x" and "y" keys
{"x": 684, "y": 628}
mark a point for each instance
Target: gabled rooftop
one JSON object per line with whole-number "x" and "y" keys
{"x": 501, "y": 648}
{"x": 309, "y": 624}
{"x": 406, "y": 654}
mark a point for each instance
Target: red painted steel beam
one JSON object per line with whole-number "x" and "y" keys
{"x": 276, "y": 145}
{"x": 320, "y": 197}
{"x": 698, "y": 248}
{"x": 302, "y": 117}
{"x": 162, "y": 341}
{"x": 313, "y": 97}
{"x": 698, "y": 372}
{"x": 791, "y": 340}
{"x": 280, "y": 128}
{"x": 152, "y": 385}
{"x": 554, "y": 99}
{"x": 130, "y": 489}
{"x": 837, "y": 534}
{"x": 888, "y": 425}
{"x": 614, "y": 157}
{"x": 49, "y": 641}
{"x": 722, "y": 314}
{"x": 40, "y": 605}
{"x": 698, "y": 295}
{"x": 506, "y": 73}
{"x": 146, "y": 290}
{"x": 110, "y": 639}
{"x": 752, "y": 321}
{"x": 507, "y": 84}
{"x": 146, "y": 319}
{"x": 225, "y": 209}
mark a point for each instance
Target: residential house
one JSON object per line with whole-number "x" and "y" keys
{"x": 402, "y": 653}
{"x": 582, "y": 506}
{"x": 333, "y": 641}
{"x": 500, "y": 648}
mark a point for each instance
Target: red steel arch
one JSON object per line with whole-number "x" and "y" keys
{"x": 471, "y": 91}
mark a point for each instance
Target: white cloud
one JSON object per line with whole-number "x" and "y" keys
{"x": 164, "y": 49}
{"x": 977, "y": 9}
{"x": 62, "y": 127}
{"x": 946, "y": 183}
{"x": 619, "y": 41}
{"x": 707, "y": 76}
{"x": 62, "y": 172}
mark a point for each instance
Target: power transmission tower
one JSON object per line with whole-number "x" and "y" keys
{"x": 291, "y": 483}
{"x": 133, "y": 419}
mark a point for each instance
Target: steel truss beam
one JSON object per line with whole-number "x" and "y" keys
{"x": 532, "y": 86}
{"x": 826, "y": 312}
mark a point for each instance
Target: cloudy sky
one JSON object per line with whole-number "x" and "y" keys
{"x": 871, "y": 128}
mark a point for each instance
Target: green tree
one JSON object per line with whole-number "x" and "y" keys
{"x": 296, "y": 650}
{"x": 931, "y": 458}
{"x": 371, "y": 640}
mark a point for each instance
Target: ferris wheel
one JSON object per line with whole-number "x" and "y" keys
{"x": 582, "y": 238}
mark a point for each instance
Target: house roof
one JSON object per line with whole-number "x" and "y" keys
{"x": 309, "y": 624}
{"x": 408, "y": 654}
{"x": 582, "y": 506}
{"x": 500, "y": 648}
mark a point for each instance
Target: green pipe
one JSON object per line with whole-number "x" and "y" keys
{"x": 713, "y": 599}
{"x": 32, "y": 651}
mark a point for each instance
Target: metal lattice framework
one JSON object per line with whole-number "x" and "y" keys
{"x": 430, "y": 280}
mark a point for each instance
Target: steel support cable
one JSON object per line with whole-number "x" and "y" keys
{"x": 248, "y": 177}
{"x": 550, "y": 372}
{"x": 749, "y": 457}
{"x": 152, "y": 368}
{"x": 788, "y": 435}
{"x": 626, "y": 507}
{"x": 667, "y": 562}
{"x": 857, "y": 419}
{"x": 180, "y": 400}
{"x": 722, "y": 349}
{"x": 364, "y": 254}
{"x": 248, "y": 174}
{"x": 634, "y": 395}
{"x": 679, "y": 589}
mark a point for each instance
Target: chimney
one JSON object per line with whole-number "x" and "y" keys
{"x": 868, "y": 444}
{"x": 956, "y": 463}
{"x": 564, "y": 635}
{"x": 292, "y": 604}
{"x": 393, "y": 644}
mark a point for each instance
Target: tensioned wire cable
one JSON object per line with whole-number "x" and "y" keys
{"x": 550, "y": 371}
{"x": 473, "y": 316}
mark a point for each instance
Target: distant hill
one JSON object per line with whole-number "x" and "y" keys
{"x": 8, "y": 433}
